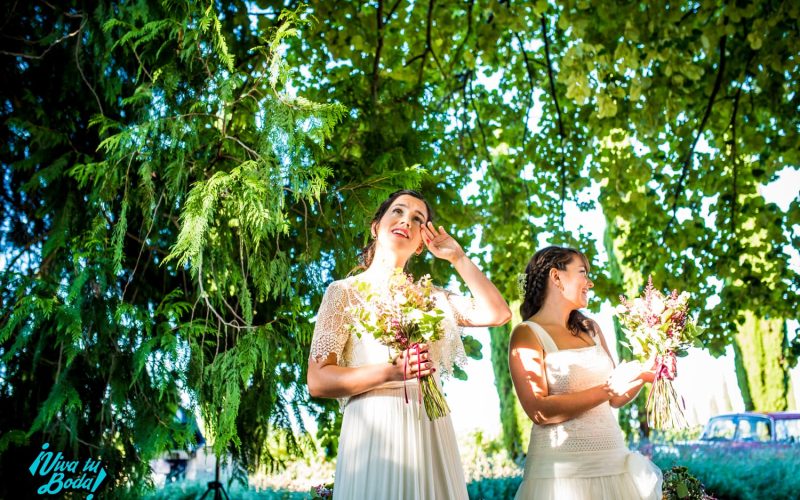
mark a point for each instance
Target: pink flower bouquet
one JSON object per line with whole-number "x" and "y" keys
{"x": 402, "y": 319}
{"x": 659, "y": 328}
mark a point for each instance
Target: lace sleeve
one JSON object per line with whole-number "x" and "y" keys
{"x": 449, "y": 351}
{"x": 463, "y": 308}
{"x": 330, "y": 331}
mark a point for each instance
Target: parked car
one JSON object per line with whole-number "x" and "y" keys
{"x": 752, "y": 427}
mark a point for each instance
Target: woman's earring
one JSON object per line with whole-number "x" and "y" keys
{"x": 419, "y": 250}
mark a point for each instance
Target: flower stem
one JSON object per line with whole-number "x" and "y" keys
{"x": 433, "y": 399}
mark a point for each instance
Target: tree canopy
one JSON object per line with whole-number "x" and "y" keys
{"x": 182, "y": 179}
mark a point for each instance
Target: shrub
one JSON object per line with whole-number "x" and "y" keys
{"x": 493, "y": 488}
{"x": 741, "y": 473}
{"x": 193, "y": 490}
{"x": 679, "y": 484}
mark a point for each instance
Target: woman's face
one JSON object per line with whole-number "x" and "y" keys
{"x": 576, "y": 283}
{"x": 400, "y": 228}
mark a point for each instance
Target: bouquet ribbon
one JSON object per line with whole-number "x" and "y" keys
{"x": 415, "y": 347}
{"x": 667, "y": 366}
{"x": 666, "y": 369}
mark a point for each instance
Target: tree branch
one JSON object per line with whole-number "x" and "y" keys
{"x": 459, "y": 85}
{"x": 460, "y": 49}
{"x": 141, "y": 64}
{"x": 687, "y": 162}
{"x": 137, "y": 239}
{"x": 222, "y": 297}
{"x": 377, "y": 62}
{"x": 428, "y": 43}
{"x": 245, "y": 146}
{"x": 735, "y": 158}
{"x": 529, "y": 72}
{"x": 67, "y": 14}
{"x": 392, "y": 11}
{"x": 468, "y": 131}
{"x": 234, "y": 324}
{"x": 561, "y": 133}
{"x": 24, "y": 251}
{"x": 48, "y": 49}
{"x": 551, "y": 79}
{"x": 428, "y": 48}
{"x": 141, "y": 248}
{"x": 80, "y": 70}
{"x": 10, "y": 15}
{"x": 480, "y": 124}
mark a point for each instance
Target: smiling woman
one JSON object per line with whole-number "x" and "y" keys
{"x": 390, "y": 447}
{"x": 565, "y": 379}
{"x": 398, "y": 221}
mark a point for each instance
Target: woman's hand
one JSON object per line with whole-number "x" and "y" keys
{"x": 629, "y": 375}
{"x": 441, "y": 244}
{"x": 649, "y": 375}
{"x": 414, "y": 363}
{"x": 487, "y": 307}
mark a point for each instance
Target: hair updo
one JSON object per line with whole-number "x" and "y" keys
{"x": 537, "y": 273}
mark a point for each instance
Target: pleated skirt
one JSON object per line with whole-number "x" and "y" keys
{"x": 590, "y": 475}
{"x": 388, "y": 449}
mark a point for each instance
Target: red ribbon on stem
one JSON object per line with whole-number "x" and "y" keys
{"x": 414, "y": 346}
{"x": 666, "y": 368}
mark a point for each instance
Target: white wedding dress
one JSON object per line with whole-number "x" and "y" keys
{"x": 388, "y": 449}
{"x": 584, "y": 458}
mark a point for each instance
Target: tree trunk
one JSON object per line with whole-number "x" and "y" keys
{"x": 515, "y": 423}
{"x": 761, "y": 369}
{"x": 633, "y": 416}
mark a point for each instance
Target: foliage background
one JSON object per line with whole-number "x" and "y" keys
{"x": 181, "y": 180}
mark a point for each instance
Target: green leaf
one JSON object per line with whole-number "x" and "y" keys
{"x": 472, "y": 347}
{"x": 459, "y": 373}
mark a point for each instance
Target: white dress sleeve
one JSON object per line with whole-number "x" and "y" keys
{"x": 331, "y": 330}
{"x": 449, "y": 350}
{"x": 463, "y": 308}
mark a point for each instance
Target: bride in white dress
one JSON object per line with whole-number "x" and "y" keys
{"x": 565, "y": 379}
{"x": 389, "y": 449}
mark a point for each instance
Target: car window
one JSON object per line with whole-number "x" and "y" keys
{"x": 751, "y": 429}
{"x": 787, "y": 430}
{"x": 720, "y": 429}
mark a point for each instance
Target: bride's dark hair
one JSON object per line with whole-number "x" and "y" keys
{"x": 537, "y": 273}
{"x": 368, "y": 252}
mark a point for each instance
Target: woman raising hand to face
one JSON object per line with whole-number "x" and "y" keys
{"x": 389, "y": 449}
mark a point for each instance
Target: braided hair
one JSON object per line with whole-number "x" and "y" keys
{"x": 368, "y": 252}
{"x": 537, "y": 273}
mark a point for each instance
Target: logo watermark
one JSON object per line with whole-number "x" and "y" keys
{"x": 54, "y": 467}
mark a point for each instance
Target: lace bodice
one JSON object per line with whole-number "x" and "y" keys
{"x": 572, "y": 370}
{"x": 331, "y": 333}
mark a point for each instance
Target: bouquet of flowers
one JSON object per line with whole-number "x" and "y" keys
{"x": 659, "y": 327}
{"x": 402, "y": 319}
